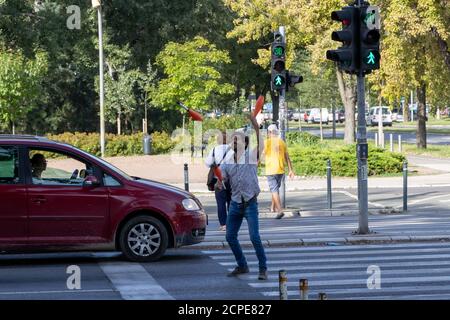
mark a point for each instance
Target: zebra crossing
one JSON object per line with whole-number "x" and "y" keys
{"x": 383, "y": 271}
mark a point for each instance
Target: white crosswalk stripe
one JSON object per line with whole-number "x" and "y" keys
{"x": 407, "y": 270}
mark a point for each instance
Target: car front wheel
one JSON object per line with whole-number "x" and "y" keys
{"x": 143, "y": 239}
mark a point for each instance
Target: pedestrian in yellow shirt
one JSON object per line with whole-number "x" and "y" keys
{"x": 276, "y": 157}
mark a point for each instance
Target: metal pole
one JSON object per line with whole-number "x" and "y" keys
{"x": 405, "y": 186}
{"x": 362, "y": 162}
{"x": 186, "y": 177}
{"x": 399, "y": 143}
{"x": 376, "y": 139}
{"x": 333, "y": 109}
{"x": 329, "y": 196}
{"x": 322, "y": 296}
{"x": 391, "y": 139}
{"x": 102, "y": 83}
{"x": 282, "y": 119}
{"x": 282, "y": 281}
{"x": 303, "y": 284}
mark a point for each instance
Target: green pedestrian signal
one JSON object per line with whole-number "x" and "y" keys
{"x": 278, "y": 81}
{"x": 371, "y": 58}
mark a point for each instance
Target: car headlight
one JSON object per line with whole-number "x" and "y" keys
{"x": 190, "y": 205}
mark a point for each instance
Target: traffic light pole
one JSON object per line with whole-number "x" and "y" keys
{"x": 282, "y": 126}
{"x": 362, "y": 153}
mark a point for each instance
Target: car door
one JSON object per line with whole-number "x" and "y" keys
{"x": 13, "y": 204}
{"x": 62, "y": 210}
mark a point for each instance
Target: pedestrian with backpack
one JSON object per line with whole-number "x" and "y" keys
{"x": 218, "y": 155}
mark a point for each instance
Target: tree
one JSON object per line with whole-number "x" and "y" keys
{"x": 192, "y": 70}
{"x": 20, "y": 84}
{"x": 414, "y": 54}
{"x": 308, "y": 25}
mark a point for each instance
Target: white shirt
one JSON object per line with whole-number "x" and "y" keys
{"x": 220, "y": 152}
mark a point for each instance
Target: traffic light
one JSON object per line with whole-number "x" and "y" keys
{"x": 347, "y": 56}
{"x": 370, "y": 38}
{"x": 278, "y": 63}
{"x": 292, "y": 80}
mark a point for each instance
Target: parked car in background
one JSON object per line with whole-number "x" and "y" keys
{"x": 55, "y": 197}
{"x": 374, "y": 116}
{"x": 339, "y": 116}
{"x": 315, "y": 115}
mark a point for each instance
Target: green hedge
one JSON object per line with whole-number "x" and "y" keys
{"x": 116, "y": 145}
{"x": 311, "y": 160}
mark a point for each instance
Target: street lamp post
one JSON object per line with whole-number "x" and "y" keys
{"x": 96, "y": 4}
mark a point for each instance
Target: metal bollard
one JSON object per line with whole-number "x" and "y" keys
{"x": 391, "y": 139}
{"x": 399, "y": 143}
{"x": 376, "y": 139}
{"x": 186, "y": 177}
{"x": 282, "y": 280}
{"x": 405, "y": 186}
{"x": 329, "y": 195}
{"x": 303, "y": 283}
{"x": 322, "y": 296}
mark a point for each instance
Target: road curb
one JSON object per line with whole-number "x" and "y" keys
{"x": 352, "y": 240}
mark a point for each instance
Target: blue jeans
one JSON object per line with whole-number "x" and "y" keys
{"x": 223, "y": 198}
{"x": 234, "y": 221}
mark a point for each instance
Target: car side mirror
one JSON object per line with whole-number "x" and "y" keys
{"x": 91, "y": 181}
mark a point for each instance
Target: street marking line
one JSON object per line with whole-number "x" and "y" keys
{"x": 362, "y": 281}
{"x": 5, "y": 293}
{"x": 356, "y": 198}
{"x": 429, "y": 198}
{"x": 133, "y": 282}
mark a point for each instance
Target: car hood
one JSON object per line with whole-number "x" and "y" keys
{"x": 163, "y": 186}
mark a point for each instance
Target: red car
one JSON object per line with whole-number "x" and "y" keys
{"x": 54, "y": 196}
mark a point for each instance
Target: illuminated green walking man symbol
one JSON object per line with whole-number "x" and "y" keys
{"x": 371, "y": 58}
{"x": 278, "y": 81}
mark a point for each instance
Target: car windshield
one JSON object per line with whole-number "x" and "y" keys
{"x": 108, "y": 165}
{"x": 377, "y": 111}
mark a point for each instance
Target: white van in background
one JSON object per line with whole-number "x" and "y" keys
{"x": 374, "y": 116}
{"x": 314, "y": 115}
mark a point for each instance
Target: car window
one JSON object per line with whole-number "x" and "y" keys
{"x": 9, "y": 165}
{"x": 109, "y": 181}
{"x": 57, "y": 168}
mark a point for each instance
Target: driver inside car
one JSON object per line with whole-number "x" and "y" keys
{"x": 38, "y": 165}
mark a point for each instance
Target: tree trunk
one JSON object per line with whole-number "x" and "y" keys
{"x": 119, "y": 131}
{"x": 348, "y": 96}
{"x": 421, "y": 134}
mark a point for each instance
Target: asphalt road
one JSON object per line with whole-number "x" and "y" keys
{"x": 408, "y": 270}
{"x": 394, "y": 271}
{"x": 419, "y": 200}
{"x": 407, "y": 137}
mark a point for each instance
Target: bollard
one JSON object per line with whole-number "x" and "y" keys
{"x": 322, "y": 296}
{"x": 399, "y": 143}
{"x": 303, "y": 289}
{"x": 405, "y": 186}
{"x": 376, "y": 139}
{"x": 186, "y": 177}
{"x": 282, "y": 280}
{"x": 391, "y": 139}
{"x": 329, "y": 196}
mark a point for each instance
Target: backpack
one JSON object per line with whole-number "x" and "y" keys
{"x": 211, "y": 179}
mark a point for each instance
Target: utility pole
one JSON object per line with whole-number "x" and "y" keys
{"x": 282, "y": 119}
{"x": 359, "y": 55}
